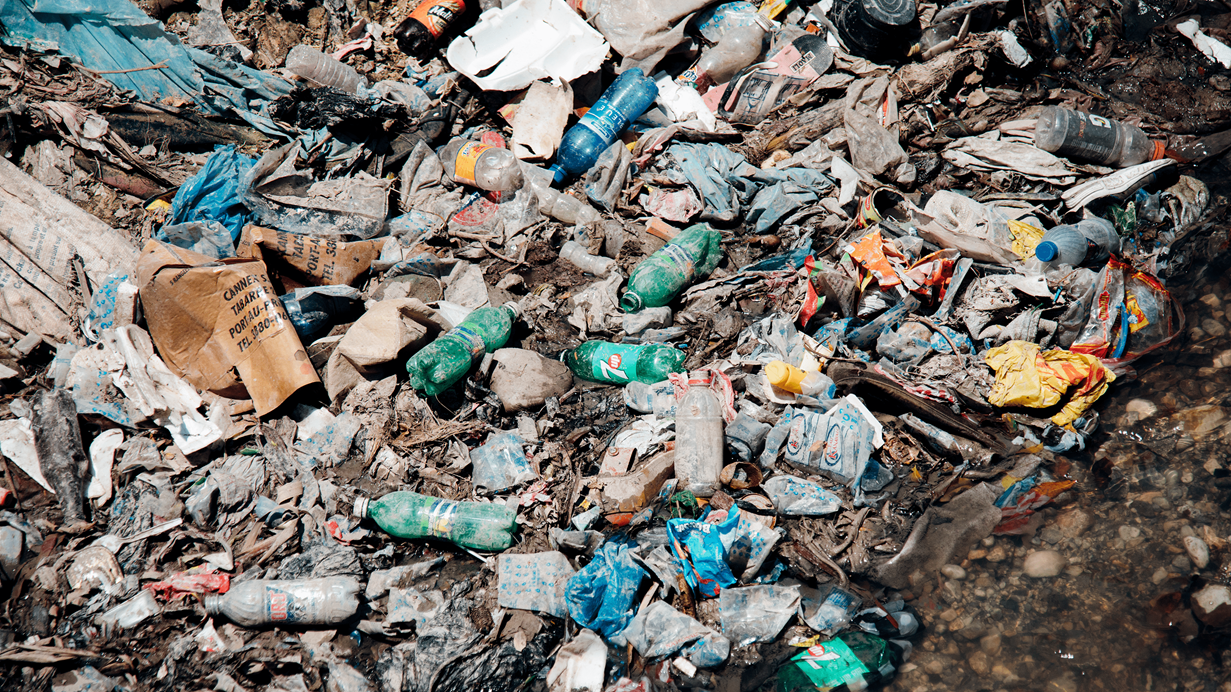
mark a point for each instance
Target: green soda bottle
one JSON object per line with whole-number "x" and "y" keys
{"x": 447, "y": 359}
{"x": 603, "y": 361}
{"x": 694, "y": 253}
{"x": 469, "y": 524}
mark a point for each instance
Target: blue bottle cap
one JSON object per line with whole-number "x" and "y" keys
{"x": 1046, "y": 251}
{"x": 557, "y": 175}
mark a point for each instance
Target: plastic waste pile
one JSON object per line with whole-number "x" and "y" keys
{"x": 588, "y": 345}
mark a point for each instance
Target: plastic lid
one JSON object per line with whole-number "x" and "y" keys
{"x": 631, "y": 302}
{"x": 557, "y": 174}
{"x": 784, "y": 376}
{"x": 361, "y": 507}
{"x": 1046, "y": 251}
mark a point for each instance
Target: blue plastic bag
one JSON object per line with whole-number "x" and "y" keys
{"x": 699, "y": 546}
{"x": 213, "y": 194}
{"x": 603, "y": 595}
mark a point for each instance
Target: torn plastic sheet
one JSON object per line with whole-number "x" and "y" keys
{"x": 660, "y": 630}
{"x": 125, "y": 360}
{"x": 511, "y": 47}
{"x": 213, "y": 194}
{"x": 120, "y": 42}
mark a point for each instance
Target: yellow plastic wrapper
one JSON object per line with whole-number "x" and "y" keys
{"x": 1026, "y": 377}
{"x": 1025, "y": 238}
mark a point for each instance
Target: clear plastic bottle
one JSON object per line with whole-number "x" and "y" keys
{"x": 1094, "y": 138}
{"x": 603, "y": 361}
{"x": 323, "y": 70}
{"x": 624, "y": 101}
{"x": 475, "y": 525}
{"x": 785, "y": 376}
{"x": 447, "y": 359}
{"x": 699, "y": 438}
{"x": 560, "y": 206}
{"x": 657, "y": 398}
{"x": 577, "y": 255}
{"x": 325, "y": 601}
{"x": 659, "y": 278}
{"x": 1089, "y": 242}
{"x": 500, "y": 464}
{"x": 485, "y": 166}
{"x": 714, "y": 21}
{"x": 738, "y": 48}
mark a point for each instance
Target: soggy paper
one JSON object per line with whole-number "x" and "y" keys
{"x": 308, "y": 260}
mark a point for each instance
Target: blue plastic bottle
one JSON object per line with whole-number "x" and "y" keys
{"x": 624, "y": 101}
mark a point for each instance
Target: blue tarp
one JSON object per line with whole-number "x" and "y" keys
{"x": 116, "y": 37}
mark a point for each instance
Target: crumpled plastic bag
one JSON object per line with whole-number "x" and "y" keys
{"x": 605, "y": 180}
{"x": 660, "y": 630}
{"x": 871, "y": 120}
{"x": 1027, "y": 377}
{"x": 987, "y": 153}
{"x": 603, "y": 595}
{"x": 213, "y": 194}
{"x": 794, "y": 496}
{"x": 699, "y": 545}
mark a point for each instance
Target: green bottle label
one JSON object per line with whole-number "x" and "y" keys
{"x": 615, "y": 363}
{"x": 830, "y": 664}
{"x": 682, "y": 259}
{"x": 441, "y": 517}
{"x": 474, "y": 342}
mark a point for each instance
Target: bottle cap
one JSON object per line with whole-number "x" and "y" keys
{"x": 631, "y": 302}
{"x": 361, "y": 507}
{"x": 1046, "y": 251}
{"x": 557, "y": 174}
{"x": 784, "y": 376}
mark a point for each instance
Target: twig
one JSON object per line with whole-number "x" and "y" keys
{"x": 497, "y": 255}
{"x": 160, "y": 66}
{"x": 852, "y": 532}
{"x": 472, "y": 236}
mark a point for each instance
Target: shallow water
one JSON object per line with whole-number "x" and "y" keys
{"x": 1149, "y": 479}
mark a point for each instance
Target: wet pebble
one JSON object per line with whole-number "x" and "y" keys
{"x": 997, "y": 554}
{"x": 1160, "y": 575}
{"x": 1128, "y": 533}
{"x": 1197, "y": 551}
{"x": 1144, "y": 408}
{"x": 1073, "y": 523}
{"x": 1044, "y": 563}
{"x": 953, "y": 572}
{"x": 936, "y": 666}
{"x": 979, "y": 663}
{"x": 1214, "y": 328}
{"x": 990, "y": 644}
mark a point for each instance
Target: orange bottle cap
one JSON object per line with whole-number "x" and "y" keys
{"x": 784, "y": 376}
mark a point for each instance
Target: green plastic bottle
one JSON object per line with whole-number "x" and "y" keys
{"x": 447, "y": 359}
{"x": 694, "y": 253}
{"x": 469, "y": 524}
{"x": 851, "y": 661}
{"x": 603, "y": 361}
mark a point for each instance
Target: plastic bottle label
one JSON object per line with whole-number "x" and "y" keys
{"x": 441, "y": 517}
{"x": 467, "y": 159}
{"x": 615, "y": 363}
{"x": 474, "y": 342}
{"x": 1089, "y": 136}
{"x": 436, "y": 15}
{"x": 281, "y": 606}
{"x": 603, "y": 120}
{"x": 682, "y": 259}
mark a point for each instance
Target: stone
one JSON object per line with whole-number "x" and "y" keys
{"x": 1144, "y": 408}
{"x": 936, "y": 666}
{"x": 990, "y": 644}
{"x": 1044, "y": 563}
{"x": 1160, "y": 575}
{"x": 524, "y": 379}
{"x": 1214, "y": 328}
{"x": 953, "y": 572}
{"x": 1211, "y": 299}
{"x": 979, "y": 663}
{"x": 1212, "y": 605}
{"x": 1073, "y": 522}
{"x": 1197, "y": 551}
{"x": 997, "y": 554}
{"x": 1128, "y": 533}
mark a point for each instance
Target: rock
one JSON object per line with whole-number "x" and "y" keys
{"x": 979, "y": 663}
{"x": 936, "y": 666}
{"x": 1044, "y": 563}
{"x": 953, "y": 572}
{"x": 1211, "y": 299}
{"x": 1144, "y": 408}
{"x": 1073, "y": 522}
{"x": 1198, "y": 551}
{"x": 997, "y": 554}
{"x": 524, "y": 379}
{"x": 1214, "y": 328}
{"x": 990, "y": 644}
{"x": 1128, "y": 533}
{"x": 1212, "y": 605}
{"x": 1159, "y": 576}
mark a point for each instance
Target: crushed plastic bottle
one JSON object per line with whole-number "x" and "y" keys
{"x": 446, "y": 360}
{"x": 323, "y": 70}
{"x": 578, "y": 257}
{"x": 792, "y": 379}
{"x": 500, "y": 464}
{"x": 624, "y": 101}
{"x": 418, "y": 33}
{"x": 560, "y": 206}
{"x": 657, "y": 398}
{"x": 326, "y": 601}
{"x": 1066, "y": 132}
{"x": 699, "y": 437}
{"x": 738, "y": 48}
{"x": 1089, "y": 242}
{"x": 475, "y": 525}
{"x": 659, "y": 278}
{"x": 485, "y": 166}
{"x": 603, "y": 361}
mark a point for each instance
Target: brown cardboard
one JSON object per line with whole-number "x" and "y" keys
{"x": 219, "y": 325}
{"x": 308, "y": 260}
